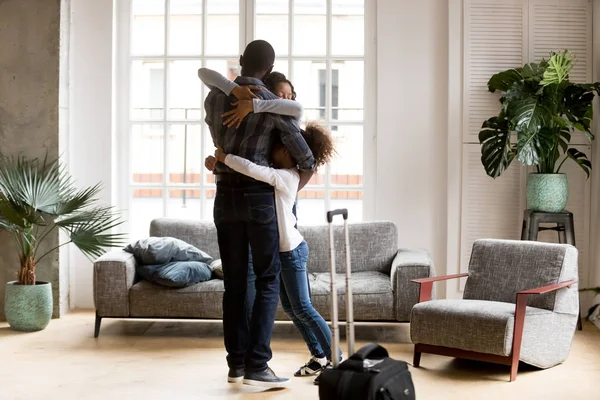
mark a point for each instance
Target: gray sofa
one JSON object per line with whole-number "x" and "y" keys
{"x": 381, "y": 276}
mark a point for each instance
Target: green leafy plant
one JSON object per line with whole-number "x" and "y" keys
{"x": 542, "y": 108}
{"x": 37, "y": 197}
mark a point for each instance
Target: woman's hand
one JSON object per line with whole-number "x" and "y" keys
{"x": 245, "y": 92}
{"x": 237, "y": 115}
{"x": 210, "y": 163}
{"x": 220, "y": 154}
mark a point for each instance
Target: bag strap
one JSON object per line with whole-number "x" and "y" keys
{"x": 371, "y": 351}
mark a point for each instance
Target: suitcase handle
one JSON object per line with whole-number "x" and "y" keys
{"x": 371, "y": 351}
{"x": 341, "y": 211}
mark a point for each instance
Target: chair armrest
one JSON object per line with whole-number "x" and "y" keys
{"x": 408, "y": 264}
{"x": 426, "y": 285}
{"x": 521, "y": 309}
{"x": 114, "y": 275}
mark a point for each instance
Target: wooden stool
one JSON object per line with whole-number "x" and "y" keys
{"x": 565, "y": 229}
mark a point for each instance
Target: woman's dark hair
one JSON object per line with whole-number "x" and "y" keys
{"x": 275, "y": 78}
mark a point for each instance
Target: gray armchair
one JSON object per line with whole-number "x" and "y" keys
{"x": 520, "y": 303}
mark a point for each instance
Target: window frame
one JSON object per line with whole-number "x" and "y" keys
{"x": 123, "y": 123}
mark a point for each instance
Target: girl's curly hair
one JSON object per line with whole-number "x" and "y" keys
{"x": 320, "y": 142}
{"x": 274, "y": 78}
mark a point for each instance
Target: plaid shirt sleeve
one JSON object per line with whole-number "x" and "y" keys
{"x": 214, "y": 106}
{"x": 292, "y": 139}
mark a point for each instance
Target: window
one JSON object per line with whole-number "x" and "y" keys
{"x": 319, "y": 45}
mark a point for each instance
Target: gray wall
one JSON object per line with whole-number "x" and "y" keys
{"x": 29, "y": 107}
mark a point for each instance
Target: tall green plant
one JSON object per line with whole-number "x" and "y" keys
{"x": 37, "y": 197}
{"x": 542, "y": 108}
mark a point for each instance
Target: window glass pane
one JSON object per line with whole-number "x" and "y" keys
{"x": 347, "y": 35}
{"x": 274, "y": 29}
{"x": 347, "y": 166}
{"x": 281, "y": 65}
{"x": 348, "y": 7}
{"x": 184, "y": 204}
{"x": 184, "y": 146}
{"x": 228, "y": 68}
{"x": 147, "y": 144}
{"x": 185, "y": 27}
{"x": 209, "y": 204}
{"x": 352, "y": 200}
{"x": 223, "y": 33}
{"x": 146, "y": 205}
{"x": 147, "y": 89}
{"x": 310, "y": 7}
{"x": 272, "y": 6}
{"x": 347, "y": 90}
{"x": 309, "y": 82}
{"x": 310, "y": 35}
{"x": 311, "y": 207}
{"x": 148, "y": 27}
{"x": 185, "y": 100}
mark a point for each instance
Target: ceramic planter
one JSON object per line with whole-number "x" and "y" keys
{"x": 547, "y": 192}
{"x": 28, "y": 308}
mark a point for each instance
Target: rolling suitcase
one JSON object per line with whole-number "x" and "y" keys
{"x": 368, "y": 374}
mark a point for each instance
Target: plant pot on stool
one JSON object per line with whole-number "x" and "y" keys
{"x": 28, "y": 308}
{"x": 547, "y": 192}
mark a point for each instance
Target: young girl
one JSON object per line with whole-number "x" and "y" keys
{"x": 294, "y": 294}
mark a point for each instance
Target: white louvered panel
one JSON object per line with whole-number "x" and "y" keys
{"x": 493, "y": 42}
{"x": 579, "y": 205}
{"x": 556, "y": 25}
{"x": 491, "y": 208}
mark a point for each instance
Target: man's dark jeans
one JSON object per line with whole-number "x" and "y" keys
{"x": 244, "y": 214}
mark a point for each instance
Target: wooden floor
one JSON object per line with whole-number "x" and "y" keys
{"x": 185, "y": 360}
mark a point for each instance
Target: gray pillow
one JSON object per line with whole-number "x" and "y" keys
{"x": 162, "y": 250}
{"x": 176, "y": 273}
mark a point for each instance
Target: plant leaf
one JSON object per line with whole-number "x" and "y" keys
{"x": 581, "y": 159}
{"x": 559, "y": 66}
{"x": 504, "y": 80}
{"x": 533, "y": 146}
{"x": 529, "y": 115}
{"x": 496, "y": 152}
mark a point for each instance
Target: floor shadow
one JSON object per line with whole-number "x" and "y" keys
{"x": 471, "y": 370}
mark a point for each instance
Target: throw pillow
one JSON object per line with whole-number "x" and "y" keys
{"x": 176, "y": 274}
{"x": 217, "y": 269}
{"x": 162, "y": 250}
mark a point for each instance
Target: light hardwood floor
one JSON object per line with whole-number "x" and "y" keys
{"x": 186, "y": 360}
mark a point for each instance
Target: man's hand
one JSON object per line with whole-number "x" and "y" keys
{"x": 237, "y": 115}
{"x": 220, "y": 154}
{"x": 245, "y": 92}
{"x": 210, "y": 163}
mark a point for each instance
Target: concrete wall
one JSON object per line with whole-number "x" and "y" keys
{"x": 29, "y": 107}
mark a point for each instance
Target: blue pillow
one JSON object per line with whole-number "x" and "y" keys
{"x": 162, "y": 250}
{"x": 176, "y": 274}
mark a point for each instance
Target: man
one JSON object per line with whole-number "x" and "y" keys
{"x": 244, "y": 213}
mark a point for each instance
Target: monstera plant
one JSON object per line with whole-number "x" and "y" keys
{"x": 540, "y": 111}
{"x": 38, "y": 197}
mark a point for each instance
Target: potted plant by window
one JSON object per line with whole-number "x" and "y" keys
{"x": 542, "y": 108}
{"x": 36, "y": 198}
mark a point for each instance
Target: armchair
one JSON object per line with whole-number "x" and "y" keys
{"x": 520, "y": 303}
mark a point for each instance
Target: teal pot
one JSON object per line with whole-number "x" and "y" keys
{"x": 547, "y": 192}
{"x": 28, "y": 308}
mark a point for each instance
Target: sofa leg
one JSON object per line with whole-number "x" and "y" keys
{"x": 417, "y": 358}
{"x": 514, "y": 367}
{"x": 97, "y": 326}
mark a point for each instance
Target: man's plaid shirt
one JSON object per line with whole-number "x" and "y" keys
{"x": 254, "y": 138}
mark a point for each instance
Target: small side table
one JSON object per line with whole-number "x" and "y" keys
{"x": 565, "y": 229}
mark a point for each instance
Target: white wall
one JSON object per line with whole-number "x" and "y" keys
{"x": 412, "y": 96}
{"x": 90, "y": 117}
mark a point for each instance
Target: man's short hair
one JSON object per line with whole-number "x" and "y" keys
{"x": 258, "y": 56}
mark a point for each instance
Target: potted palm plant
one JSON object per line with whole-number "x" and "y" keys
{"x": 36, "y": 198}
{"x": 542, "y": 108}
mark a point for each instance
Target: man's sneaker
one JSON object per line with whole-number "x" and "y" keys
{"x": 312, "y": 367}
{"x": 266, "y": 378}
{"x": 235, "y": 375}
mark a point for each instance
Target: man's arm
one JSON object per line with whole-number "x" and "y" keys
{"x": 292, "y": 139}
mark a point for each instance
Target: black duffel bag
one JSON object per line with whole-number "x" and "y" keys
{"x": 369, "y": 374}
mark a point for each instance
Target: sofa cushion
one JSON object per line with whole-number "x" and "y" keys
{"x": 162, "y": 250}
{"x": 176, "y": 273}
{"x": 474, "y": 325}
{"x": 372, "y": 294}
